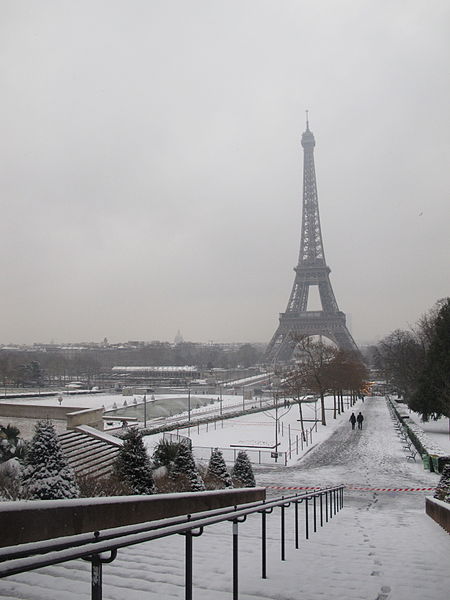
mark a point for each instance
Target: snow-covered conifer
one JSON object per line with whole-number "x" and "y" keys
{"x": 242, "y": 471}
{"x": 184, "y": 466}
{"x": 218, "y": 469}
{"x": 133, "y": 464}
{"x": 443, "y": 488}
{"x": 47, "y": 475}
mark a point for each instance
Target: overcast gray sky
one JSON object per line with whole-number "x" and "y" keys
{"x": 151, "y": 167}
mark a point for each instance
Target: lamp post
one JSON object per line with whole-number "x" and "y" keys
{"x": 276, "y": 382}
{"x": 145, "y": 411}
{"x": 189, "y": 402}
{"x": 220, "y": 393}
{"x": 243, "y": 399}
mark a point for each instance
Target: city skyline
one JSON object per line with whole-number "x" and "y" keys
{"x": 151, "y": 166}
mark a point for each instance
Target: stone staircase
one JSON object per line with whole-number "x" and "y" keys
{"x": 90, "y": 452}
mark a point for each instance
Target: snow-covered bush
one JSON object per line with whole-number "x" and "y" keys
{"x": 93, "y": 487}
{"x": 185, "y": 471}
{"x": 442, "y": 491}
{"x": 165, "y": 454}
{"x": 10, "y": 471}
{"x": 11, "y": 444}
{"x": 133, "y": 465}
{"x": 217, "y": 473}
{"x": 242, "y": 472}
{"x": 46, "y": 474}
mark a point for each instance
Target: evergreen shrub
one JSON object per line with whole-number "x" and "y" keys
{"x": 46, "y": 474}
{"x": 133, "y": 466}
{"x": 242, "y": 472}
{"x": 442, "y": 491}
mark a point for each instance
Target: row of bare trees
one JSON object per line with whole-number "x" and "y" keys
{"x": 321, "y": 369}
{"x": 43, "y": 368}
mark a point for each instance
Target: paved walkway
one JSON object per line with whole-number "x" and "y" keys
{"x": 384, "y": 545}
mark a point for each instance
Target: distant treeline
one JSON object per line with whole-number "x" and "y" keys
{"x": 39, "y": 367}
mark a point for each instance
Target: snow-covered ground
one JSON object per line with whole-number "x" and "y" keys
{"x": 437, "y": 431}
{"x": 381, "y": 546}
{"x": 257, "y": 431}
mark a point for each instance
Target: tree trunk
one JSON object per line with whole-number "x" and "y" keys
{"x": 322, "y": 407}
{"x": 302, "y": 427}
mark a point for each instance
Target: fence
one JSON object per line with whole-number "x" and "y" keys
{"x": 319, "y": 507}
{"x": 256, "y": 456}
{"x": 260, "y": 456}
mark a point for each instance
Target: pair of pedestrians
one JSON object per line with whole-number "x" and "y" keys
{"x": 359, "y": 419}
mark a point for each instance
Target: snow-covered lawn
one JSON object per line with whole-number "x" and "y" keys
{"x": 257, "y": 431}
{"x": 381, "y": 546}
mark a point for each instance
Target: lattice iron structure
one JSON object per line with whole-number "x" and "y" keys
{"x": 311, "y": 270}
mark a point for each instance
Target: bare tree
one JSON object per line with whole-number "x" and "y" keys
{"x": 295, "y": 386}
{"x": 313, "y": 361}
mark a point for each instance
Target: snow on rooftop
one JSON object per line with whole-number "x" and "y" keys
{"x": 160, "y": 369}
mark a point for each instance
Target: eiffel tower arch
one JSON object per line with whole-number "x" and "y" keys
{"x": 311, "y": 270}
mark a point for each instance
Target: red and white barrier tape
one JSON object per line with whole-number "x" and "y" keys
{"x": 352, "y": 487}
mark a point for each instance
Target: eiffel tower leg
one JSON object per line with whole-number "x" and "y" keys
{"x": 281, "y": 346}
{"x": 344, "y": 340}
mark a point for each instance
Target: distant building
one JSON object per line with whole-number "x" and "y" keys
{"x": 156, "y": 375}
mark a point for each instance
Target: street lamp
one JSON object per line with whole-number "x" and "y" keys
{"x": 276, "y": 382}
{"x": 189, "y": 402}
{"x": 145, "y": 411}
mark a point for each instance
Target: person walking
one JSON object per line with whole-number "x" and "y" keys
{"x": 352, "y": 420}
{"x": 360, "y": 420}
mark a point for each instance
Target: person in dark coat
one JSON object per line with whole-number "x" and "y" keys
{"x": 352, "y": 420}
{"x": 360, "y": 420}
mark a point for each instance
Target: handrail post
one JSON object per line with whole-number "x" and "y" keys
{"x": 321, "y": 509}
{"x": 306, "y": 519}
{"x": 189, "y": 534}
{"x": 283, "y": 537}
{"x": 264, "y": 512}
{"x": 235, "y": 560}
{"x": 188, "y": 566}
{"x": 315, "y": 519}
{"x": 96, "y": 577}
{"x": 296, "y": 525}
{"x": 236, "y": 555}
{"x": 97, "y": 571}
{"x": 263, "y": 545}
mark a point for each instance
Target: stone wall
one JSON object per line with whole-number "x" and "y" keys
{"x": 439, "y": 511}
{"x": 22, "y": 522}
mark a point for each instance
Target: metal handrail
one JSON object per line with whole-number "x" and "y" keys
{"x": 92, "y": 546}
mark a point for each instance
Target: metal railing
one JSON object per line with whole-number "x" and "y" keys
{"x": 319, "y": 506}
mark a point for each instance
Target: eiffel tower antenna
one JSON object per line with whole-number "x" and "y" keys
{"x": 311, "y": 270}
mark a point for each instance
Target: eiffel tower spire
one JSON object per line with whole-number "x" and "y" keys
{"x": 310, "y": 270}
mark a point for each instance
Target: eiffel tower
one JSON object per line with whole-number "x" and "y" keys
{"x": 311, "y": 270}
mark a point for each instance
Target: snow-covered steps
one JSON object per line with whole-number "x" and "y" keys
{"x": 90, "y": 452}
